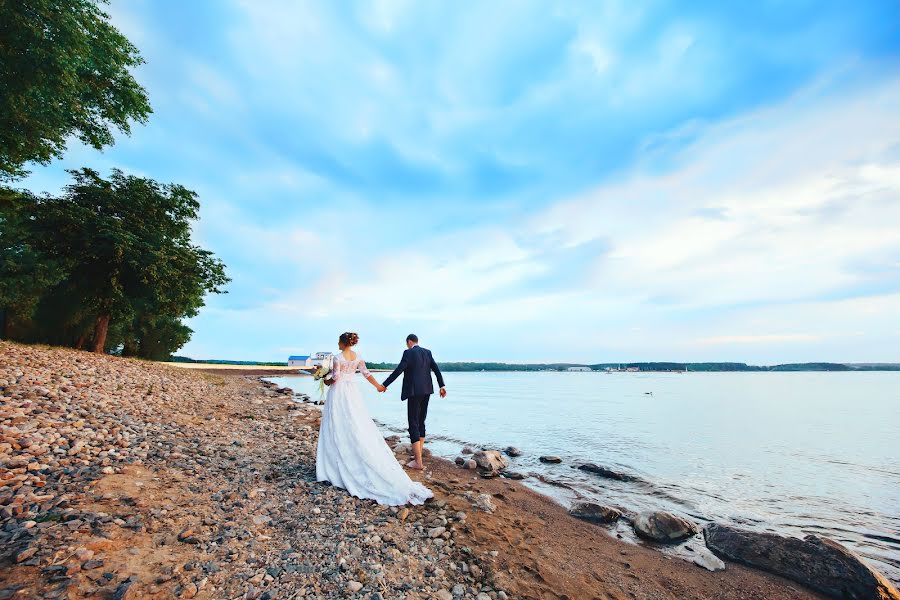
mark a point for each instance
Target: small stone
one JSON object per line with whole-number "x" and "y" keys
{"x": 551, "y": 459}
{"x": 354, "y": 586}
{"x": 403, "y": 514}
{"x": 83, "y": 554}
{"x": 26, "y": 554}
{"x": 443, "y": 595}
{"x": 127, "y": 590}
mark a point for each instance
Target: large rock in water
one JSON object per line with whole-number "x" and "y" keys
{"x": 596, "y": 513}
{"x": 490, "y": 460}
{"x": 661, "y": 526}
{"x": 816, "y": 562}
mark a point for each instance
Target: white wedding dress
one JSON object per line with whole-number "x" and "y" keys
{"x": 352, "y": 454}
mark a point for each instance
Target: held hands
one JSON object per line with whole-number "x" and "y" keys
{"x": 443, "y": 392}
{"x": 380, "y": 388}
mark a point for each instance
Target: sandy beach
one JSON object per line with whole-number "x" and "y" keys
{"x": 127, "y": 479}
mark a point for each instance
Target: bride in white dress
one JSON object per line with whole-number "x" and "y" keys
{"x": 352, "y": 454}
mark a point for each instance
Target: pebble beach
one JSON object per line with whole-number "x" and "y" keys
{"x": 127, "y": 479}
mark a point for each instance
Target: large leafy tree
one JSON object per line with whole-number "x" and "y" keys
{"x": 25, "y": 275}
{"x": 64, "y": 71}
{"x": 129, "y": 260}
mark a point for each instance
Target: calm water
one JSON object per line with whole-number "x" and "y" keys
{"x": 789, "y": 452}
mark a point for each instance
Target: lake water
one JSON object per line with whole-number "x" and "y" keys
{"x": 789, "y": 452}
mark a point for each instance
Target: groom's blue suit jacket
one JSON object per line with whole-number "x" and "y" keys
{"x": 416, "y": 366}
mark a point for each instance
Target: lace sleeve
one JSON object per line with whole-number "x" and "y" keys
{"x": 333, "y": 369}
{"x": 362, "y": 367}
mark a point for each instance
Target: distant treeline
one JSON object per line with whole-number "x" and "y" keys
{"x": 256, "y": 363}
{"x": 708, "y": 367}
{"x": 655, "y": 366}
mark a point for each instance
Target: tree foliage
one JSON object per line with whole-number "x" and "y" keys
{"x": 64, "y": 71}
{"x": 121, "y": 271}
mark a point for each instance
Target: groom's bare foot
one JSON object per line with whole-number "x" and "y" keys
{"x": 415, "y": 465}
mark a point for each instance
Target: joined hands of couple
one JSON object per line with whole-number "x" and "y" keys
{"x": 381, "y": 389}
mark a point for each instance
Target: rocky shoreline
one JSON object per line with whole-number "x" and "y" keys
{"x": 125, "y": 479}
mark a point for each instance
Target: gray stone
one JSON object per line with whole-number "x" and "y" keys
{"x": 818, "y": 563}
{"x": 596, "y": 513}
{"x": 606, "y": 472}
{"x": 551, "y": 459}
{"x": 661, "y": 526}
{"x": 490, "y": 460}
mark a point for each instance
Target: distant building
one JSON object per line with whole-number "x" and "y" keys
{"x": 299, "y": 361}
{"x": 578, "y": 369}
{"x": 633, "y": 369}
{"x": 320, "y": 356}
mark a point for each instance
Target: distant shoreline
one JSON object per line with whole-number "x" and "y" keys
{"x": 636, "y": 367}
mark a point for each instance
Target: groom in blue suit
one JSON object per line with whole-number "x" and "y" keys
{"x": 416, "y": 366}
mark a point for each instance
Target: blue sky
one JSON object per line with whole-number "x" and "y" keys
{"x": 580, "y": 181}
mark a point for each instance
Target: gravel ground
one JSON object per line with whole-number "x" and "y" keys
{"x": 126, "y": 479}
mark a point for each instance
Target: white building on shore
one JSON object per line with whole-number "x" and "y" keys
{"x": 578, "y": 369}
{"x": 299, "y": 361}
{"x": 306, "y": 360}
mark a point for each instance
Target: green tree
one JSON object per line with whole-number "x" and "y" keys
{"x": 129, "y": 259}
{"x": 25, "y": 275}
{"x": 64, "y": 71}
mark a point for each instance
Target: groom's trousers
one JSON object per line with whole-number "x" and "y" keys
{"x": 416, "y": 411}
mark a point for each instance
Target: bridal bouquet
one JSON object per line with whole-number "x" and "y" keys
{"x": 322, "y": 373}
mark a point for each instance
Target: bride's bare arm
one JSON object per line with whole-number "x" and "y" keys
{"x": 374, "y": 382}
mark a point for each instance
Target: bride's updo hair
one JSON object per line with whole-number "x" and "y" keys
{"x": 348, "y": 338}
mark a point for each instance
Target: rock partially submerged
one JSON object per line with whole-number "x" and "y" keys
{"x": 490, "y": 461}
{"x": 554, "y": 460}
{"x": 606, "y": 472}
{"x": 596, "y": 513}
{"x": 818, "y": 563}
{"x": 512, "y": 451}
{"x": 661, "y": 526}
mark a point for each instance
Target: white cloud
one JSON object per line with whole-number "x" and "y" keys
{"x": 759, "y": 215}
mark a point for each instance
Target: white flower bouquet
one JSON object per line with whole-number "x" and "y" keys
{"x": 321, "y": 374}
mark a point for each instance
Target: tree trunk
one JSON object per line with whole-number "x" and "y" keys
{"x": 81, "y": 341}
{"x": 101, "y": 328}
{"x": 4, "y": 324}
